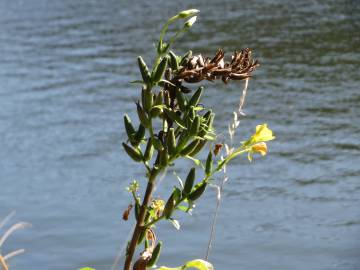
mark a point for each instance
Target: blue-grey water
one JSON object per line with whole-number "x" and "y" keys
{"x": 65, "y": 68}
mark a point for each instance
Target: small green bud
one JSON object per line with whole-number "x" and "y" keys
{"x": 187, "y": 13}
{"x": 189, "y": 22}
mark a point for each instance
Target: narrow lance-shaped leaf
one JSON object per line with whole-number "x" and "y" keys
{"x": 158, "y": 73}
{"x": 189, "y": 182}
{"x": 135, "y": 154}
{"x": 196, "y": 97}
{"x": 197, "y": 192}
{"x": 189, "y": 148}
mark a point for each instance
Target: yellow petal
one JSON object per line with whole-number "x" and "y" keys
{"x": 260, "y": 148}
{"x": 263, "y": 134}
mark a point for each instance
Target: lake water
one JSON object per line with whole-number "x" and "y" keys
{"x": 65, "y": 68}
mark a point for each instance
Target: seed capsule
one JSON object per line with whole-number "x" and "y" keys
{"x": 147, "y": 99}
{"x": 163, "y": 158}
{"x": 130, "y": 131}
{"x": 142, "y": 115}
{"x": 144, "y": 70}
{"x": 209, "y": 163}
{"x": 139, "y": 136}
{"x": 149, "y": 150}
{"x": 189, "y": 182}
{"x": 135, "y": 154}
{"x": 171, "y": 142}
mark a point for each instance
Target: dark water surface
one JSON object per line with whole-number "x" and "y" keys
{"x": 64, "y": 73}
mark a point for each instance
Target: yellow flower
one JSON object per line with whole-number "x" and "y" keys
{"x": 157, "y": 205}
{"x": 260, "y": 148}
{"x": 262, "y": 134}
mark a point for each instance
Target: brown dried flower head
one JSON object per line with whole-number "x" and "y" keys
{"x": 199, "y": 68}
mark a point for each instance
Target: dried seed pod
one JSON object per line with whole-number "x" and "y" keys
{"x": 127, "y": 212}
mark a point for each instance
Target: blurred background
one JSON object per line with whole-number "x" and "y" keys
{"x": 65, "y": 68}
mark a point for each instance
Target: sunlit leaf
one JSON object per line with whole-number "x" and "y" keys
{"x": 175, "y": 223}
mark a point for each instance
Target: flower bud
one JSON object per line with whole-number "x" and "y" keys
{"x": 187, "y": 13}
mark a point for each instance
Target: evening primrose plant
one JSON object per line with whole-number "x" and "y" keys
{"x": 174, "y": 124}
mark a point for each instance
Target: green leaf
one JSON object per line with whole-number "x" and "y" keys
{"x": 87, "y": 268}
{"x": 198, "y": 264}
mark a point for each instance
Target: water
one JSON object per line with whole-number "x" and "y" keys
{"x": 64, "y": 73}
